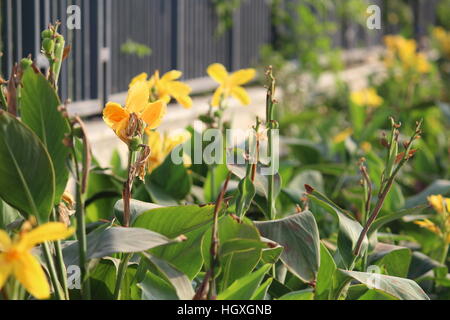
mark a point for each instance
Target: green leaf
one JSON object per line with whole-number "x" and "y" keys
{"x": 156, "y": 288}
{"x": 177, "y": 279}
{"x": 39, "y": 110}
{"x": 421, "y": 264}
{"x": 172, "y": 179}
{"x": 26, "y": 171}
{"x": 7, "y": 215}
{"x": 175, "y": 221}
{"x": 437, "y": 187}
{"x": 105, "y": 242}
{"x": 396, "y": 263}
{"x": 245, "y": 196}
{"x": 261, "y": 181}
{"x": 307, "y": 294}
{"x": 349, "y": 228}
{"x": 261, "y": 292}
{"x": 136, "y": 209}
{"x": 245, "y": 287}
{"x": 241, "y": 245}
{"x": 382, "y": 221}
{"x": 299, "y": 236}
{"x": 403, "y": 289}
{"x": 325, "y": 284}
{"x": 220, "y": 175}
{"x": 376, "y": 295}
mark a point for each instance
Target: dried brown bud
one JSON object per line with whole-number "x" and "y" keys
{"x": 309, "y": 189}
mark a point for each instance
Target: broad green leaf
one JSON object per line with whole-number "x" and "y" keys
{"x": 242, "y": 252}
{"x": 421, "y": 264}
{"x": 261, "y": 292}
{"x": 172, "y": 179}
{"x": 156, "y": 288}
{"x": 7, "y": 215}
{"x": 245, "y": 287}
{"x": 245, "y": 196}
{"x": 220, "y": 175}
{"x": 299, "y": 236}
{"x": 27, "y": 178}
{"x": 136, "y": 209}
{"x": 403, "y": 289}
{"x": 177, "y": 279}
{"x": 382, "y": 221}
{"x": 307, "y": 294}
{"x": 376, "y": 295}
{"x": 39, "y": 111}
{"x": 105, "y": 242}
{"x": 437, "y": 187}
{"x": 325, "y": 283}
{"x": 175, "y": 221}
{"x": 349, "y": 228}
{"x": 305, "y": 151}
{"x": 396, "y": 263}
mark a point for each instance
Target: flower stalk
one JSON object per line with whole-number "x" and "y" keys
{"x": 271, "y": 125}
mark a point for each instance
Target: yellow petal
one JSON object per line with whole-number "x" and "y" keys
{"x": 142, "y": 77}
{"x": 50, "y": 231}
{"x": 172, "y": 75}
{"x": 138, "y": 97}
{"x": 240, "y": 94}
{"x": 437, "y": 202}
{"x": 177, "y": 88}
{"x": 154, "y": 113}
{"x": 242, "y": 77}
{"x": 113, "y": 114}
{"x": 5, "y": 269}
{"x": 30, "y": 274}
{"x": 185, "y": 101}
{"x": 5, "y": 241}
{"x": 215, "y": 102}
{"x": 218, "y": 72}
{"x": 174, "y": 140}
{"x": 343, "y": 135}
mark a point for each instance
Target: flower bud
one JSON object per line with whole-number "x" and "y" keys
{"x": 25, "y": 63}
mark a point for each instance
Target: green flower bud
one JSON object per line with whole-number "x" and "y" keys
{"x": 135, "y": 143}
{"x": 25, "y": 63}
{"x": 46, "y": 34}
{"x": 59, "y": 39}
{"x": 48, "y": 45}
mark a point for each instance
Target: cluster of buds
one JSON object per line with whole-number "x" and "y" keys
{"x": 53, "y": 47}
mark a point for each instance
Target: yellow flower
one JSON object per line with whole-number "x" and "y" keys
{"x": 343, "y": 135}
{"x": 137, "y": 103}
{"x": 230, "y": 84}
{"x": 427, "y": 224}
{"x": 366, "y": 97}
{"x": 443, "y": 40}
{"x": 167, "y": 87}
{"x": 404, "y": 51}
{"x": 437, "y": 202}
{"x": 16, "y": 258}
{"x": 161, "y": 147}
{"x": 366, "y": 146}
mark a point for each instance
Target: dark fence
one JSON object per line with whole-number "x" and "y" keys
{"x": 181, "y": 34}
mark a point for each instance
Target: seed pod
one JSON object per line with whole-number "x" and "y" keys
{"x": 48, "y": 45}
{"x": 46, "y": 34}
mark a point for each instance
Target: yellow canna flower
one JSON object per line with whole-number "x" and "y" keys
{"x": 161, "y": 147}
{"x": 404, "y": 51}
{"x": 443, "y": 40}
{"x": 366, "y": 146}
{"x": 167, "y": 87}
{"x": 427, "y": 224}
{"x": 230, "y": 84}
{"x": 16, "y": 258}
{"x": 437, "y": 202}
{"x": 137, "y": 103}
{"x": 366, "y": 97}
{"x": 343, "y": 135}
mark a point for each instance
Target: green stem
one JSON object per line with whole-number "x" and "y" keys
{"x": 271, "y": 200}
{"x": 51, "y": 269}
{"x": 81, "y": 232}
{"x": 121, "y": 275}
{"x": 62, "y": 273}
{"x": 443, "y": 259}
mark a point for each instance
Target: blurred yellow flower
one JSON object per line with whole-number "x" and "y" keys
{"x": 403, "y": 52}
{"x": 443, "y": 40}
{"x": 162, "y": 146}
{"x": 137, "y": 103}
{"x": 343, "y": 135}
{"x": 366, "y": 146}
{"x": 230, "y": 84}
{"x": 16, "y": 258}
{"x": 366, "y": 97}
{"x": 429, "y": 225}
{"x": 167, "y": 87}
